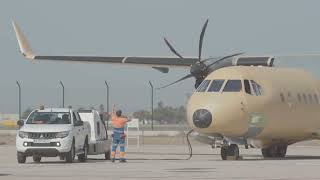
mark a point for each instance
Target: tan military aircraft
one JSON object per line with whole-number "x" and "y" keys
{"x": 243, "y": 100}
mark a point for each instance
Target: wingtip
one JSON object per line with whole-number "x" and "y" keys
{"x": 24, "y": 46}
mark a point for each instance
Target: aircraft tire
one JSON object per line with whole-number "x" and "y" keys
{"x": 232, "y": 150}
{"x": 281, "y": 151}
{"x": 266, "y": 152}
{"x": 277, "y": 151}
{"x": 223, "y": 152}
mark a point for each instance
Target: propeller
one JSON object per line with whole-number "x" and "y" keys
{"x": 201, "y": 38}
{"x": 181, "y": 79}
{"x": 172, "y": 49}
{"x": 225, "y": 57}
{"x": 199, "y": 70}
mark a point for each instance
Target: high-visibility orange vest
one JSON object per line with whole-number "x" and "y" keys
{"x": 118, "y": 122}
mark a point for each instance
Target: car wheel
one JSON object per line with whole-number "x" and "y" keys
{"x": 83, "y": 157}
{"x": 21, "y": 158}
{"x": 36, "y": 159}
{"x": 71, "y": 154}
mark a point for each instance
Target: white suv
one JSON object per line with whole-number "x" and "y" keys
{"x": 53, "y": 132}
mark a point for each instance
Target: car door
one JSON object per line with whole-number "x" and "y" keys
{"x": 77, "y": 131}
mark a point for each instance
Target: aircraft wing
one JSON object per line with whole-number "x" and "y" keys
{"x": 159, "y": 63}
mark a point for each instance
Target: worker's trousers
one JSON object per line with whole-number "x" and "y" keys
{"x": 118, "y": 139}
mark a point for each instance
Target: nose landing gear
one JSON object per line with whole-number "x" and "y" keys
{"x": 230, "y": 152}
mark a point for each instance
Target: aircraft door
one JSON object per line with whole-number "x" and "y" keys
{"x": 253, "y": 96}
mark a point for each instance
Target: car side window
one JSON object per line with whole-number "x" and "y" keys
{"x": 75, "y": 118}
{"x": 98, "y": 128}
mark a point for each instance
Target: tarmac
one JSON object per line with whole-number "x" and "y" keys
{"x": 168, "y": 162}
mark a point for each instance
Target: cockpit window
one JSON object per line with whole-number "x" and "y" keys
{"x": 216, "y": 85}
{"x": 203, "y": 86}
{"x": 257, "y": 88}
{"x": 247, "y": 87}
{"x": 233, "y": 86}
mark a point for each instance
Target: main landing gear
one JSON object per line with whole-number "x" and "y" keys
{"x": 230, "y": 151}
{"x": 276, "y": 151}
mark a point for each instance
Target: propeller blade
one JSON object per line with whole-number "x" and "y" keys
{"x": 201, "y": 38}
{"x": 226, "y": 57}
{"x": 172, "y": 49}
{"x": 181, "y": 79}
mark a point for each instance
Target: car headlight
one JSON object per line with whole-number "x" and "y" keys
{"x": 62, "y": 134}
{"x": 23, "y": 134}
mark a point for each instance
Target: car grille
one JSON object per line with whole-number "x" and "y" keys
{"x": 53, "y": 144}
{"x": 42, "y": 135}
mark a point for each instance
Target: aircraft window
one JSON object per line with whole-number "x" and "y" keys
{"x": 310, "y": 98}
{"x": 203, "y": 86}
{"x": 233, "y": 86}
{"x": 257, "y": 88}
{"x": 247, "y": 86}
{"x": 316, "y": 98}
{"x": 282, "y": 97}
{"x": 299, "y": 97}
{"x": 305, "y": 99}
{"x": 216, "y": 85}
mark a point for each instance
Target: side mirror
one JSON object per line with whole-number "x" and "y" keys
{"x": 78, "y": 123}
{"x": 20, "y": 123}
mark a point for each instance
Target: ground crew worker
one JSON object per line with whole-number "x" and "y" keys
{"x": 118, "y": 124}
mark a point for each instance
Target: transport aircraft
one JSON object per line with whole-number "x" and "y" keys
{"x": 239, "y": 99}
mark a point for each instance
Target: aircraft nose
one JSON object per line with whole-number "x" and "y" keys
{"x": 202, "y": 118}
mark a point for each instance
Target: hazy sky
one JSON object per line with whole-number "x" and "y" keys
{"x": 136, "y": 27}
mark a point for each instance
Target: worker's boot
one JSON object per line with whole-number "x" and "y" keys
{"x": 123, "y": 160}
{"x": 122, "y": 156}
{"x": 113, "y": 156}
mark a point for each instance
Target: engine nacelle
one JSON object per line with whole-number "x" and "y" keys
{"x": 254, "y": 61}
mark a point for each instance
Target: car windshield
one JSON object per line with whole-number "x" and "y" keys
{"x": 49, "y": 118}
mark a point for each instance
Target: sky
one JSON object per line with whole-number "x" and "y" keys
{"x": 136, "y": 28}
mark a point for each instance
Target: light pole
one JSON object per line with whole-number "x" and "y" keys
{"x": 107, "y": 86}
{"x": 151, "y": 86}
{"x": 62, "y": 93}
{"x": 19, "y": 100}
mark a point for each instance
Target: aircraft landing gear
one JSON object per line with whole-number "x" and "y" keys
{"x": 230, "y": 151}
{"x": 276, "y": 151}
